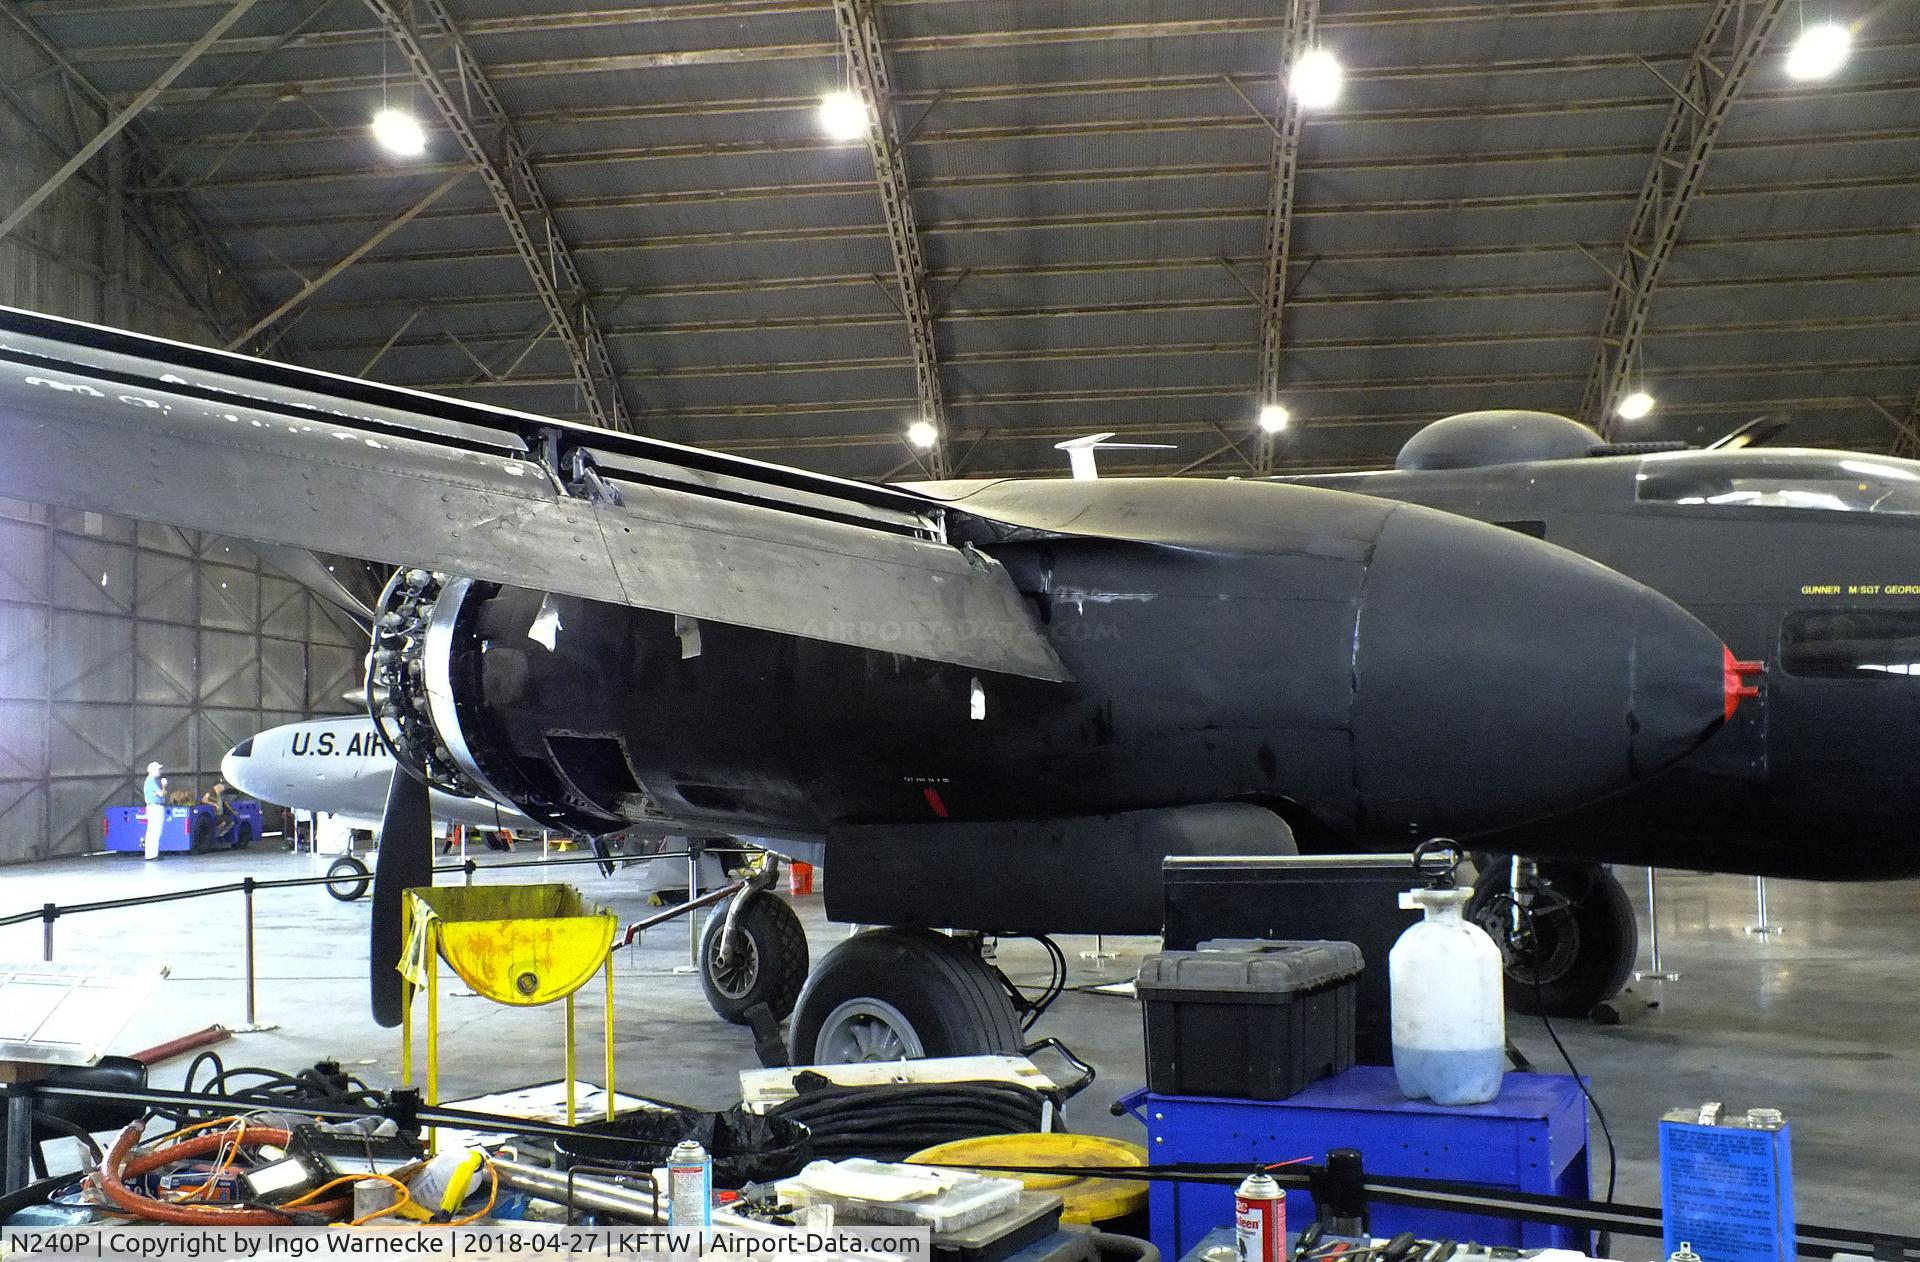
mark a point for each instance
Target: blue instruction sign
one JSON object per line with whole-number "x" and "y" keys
{"x": 1726, "y": 1184}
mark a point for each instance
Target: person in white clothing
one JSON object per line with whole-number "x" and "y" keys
{"x": 155, "y": 793}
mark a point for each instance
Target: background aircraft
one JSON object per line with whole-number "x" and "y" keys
{"x": 1807, "y": 559}
{"x": 995, "y": 706}
{"x": 339, "y": 767}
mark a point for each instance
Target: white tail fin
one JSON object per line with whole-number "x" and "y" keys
{"x": 1080, "y": 459}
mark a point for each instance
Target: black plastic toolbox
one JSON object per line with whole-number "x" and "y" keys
{"x": 1248, "y": 1019}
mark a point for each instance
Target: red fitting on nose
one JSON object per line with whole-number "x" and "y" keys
{"x": 1734, "y": 673}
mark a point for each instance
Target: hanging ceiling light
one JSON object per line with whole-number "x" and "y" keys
{"x": 399, "y": 132}
{"x": 923, "y": 434}
{"x": 1819, "y": 51}
{"x": 1274, "y": 418}
{"x": 1634, "y": 406}
{"x": 1316, "y": 79}
{"x": 843, "y": 116}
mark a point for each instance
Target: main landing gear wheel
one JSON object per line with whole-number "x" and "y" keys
{"x": 768, "y": 962}
{"x": 893, "y": 994}
{"x": 348, "y": 878}
{"x": 1584, "y": 938}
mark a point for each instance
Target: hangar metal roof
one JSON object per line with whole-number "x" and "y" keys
{"x": 1092, "y": 189}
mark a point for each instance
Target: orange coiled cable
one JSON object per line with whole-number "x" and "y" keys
{"x": 115, "y": 1169}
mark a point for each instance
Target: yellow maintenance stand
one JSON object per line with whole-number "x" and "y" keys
{"x": 521, "y": 945}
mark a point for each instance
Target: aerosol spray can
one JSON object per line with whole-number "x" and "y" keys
{"x": 1260, "y": 1219}
{"x": 689, "y": 1187}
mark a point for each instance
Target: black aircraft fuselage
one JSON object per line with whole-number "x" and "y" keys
{"x": 1370, "y": 674}
{"x": 994, "y": 705}
{"x": 1808, "y": 560}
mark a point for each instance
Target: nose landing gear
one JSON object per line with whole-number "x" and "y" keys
{"x": 763, "y": 961}
{"x": 1566, "y": 931}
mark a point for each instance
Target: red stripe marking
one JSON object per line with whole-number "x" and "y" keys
{"x": 933, "y": 801}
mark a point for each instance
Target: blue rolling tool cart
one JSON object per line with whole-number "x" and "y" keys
{"x": 1533, "y": 1138}
{"x": 125, "y": 828}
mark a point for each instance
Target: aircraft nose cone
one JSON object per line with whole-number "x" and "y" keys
{"x": 1500, "y": 680}
{"x": 236, "y": 766}
{"x": 1679, "y": 676}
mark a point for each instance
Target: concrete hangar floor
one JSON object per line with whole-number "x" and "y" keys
{"x": 1817, "y": 1021}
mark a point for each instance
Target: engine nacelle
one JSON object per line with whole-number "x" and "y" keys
{"x": 1375, "y": 672}
{"x": 423, "y": 696}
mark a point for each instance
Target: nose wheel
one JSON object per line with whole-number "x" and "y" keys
{"x": 763, "y": 961}
{"x": 348, "y": 878}
{"x": 1572, "y": 948}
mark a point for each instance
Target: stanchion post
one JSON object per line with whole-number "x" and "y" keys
{"x": 48, "y": 913}
{"x": 1655, "y": 971}
{"x": 1762, "y": 926}
{"x": 693, "y": 922}
{"x": 252, "y": 1025}
{"x": 1099, "y": 956}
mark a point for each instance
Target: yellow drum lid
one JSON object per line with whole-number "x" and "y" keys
{"x": 1086, "y": 1200}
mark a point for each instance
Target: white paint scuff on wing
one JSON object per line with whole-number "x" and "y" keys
{"x": 546, "y": 624}
{"x": 1080, "y": 598}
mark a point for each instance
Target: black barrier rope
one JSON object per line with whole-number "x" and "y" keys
{"x": 53, "y": 911}
{"x": 1581, "y": 1213}
{"x": 402, "y": 1106}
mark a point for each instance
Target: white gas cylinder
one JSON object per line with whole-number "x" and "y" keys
{"x": 1449, "y": 1014}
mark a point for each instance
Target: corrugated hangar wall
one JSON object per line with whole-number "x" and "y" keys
{"x": 123, "y": 642}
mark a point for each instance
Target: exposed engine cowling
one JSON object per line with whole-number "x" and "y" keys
{"x": 421, "y": 687}
{"x": 396, "y": 691}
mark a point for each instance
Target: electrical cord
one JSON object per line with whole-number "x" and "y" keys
{"x": 401, "y": 1201}
{"x": 1056, "y": 982}
{"x": 1031, "y": 1010}
{"x": 70, "y": 1129}
{"x": 119, "y": 1165}
{"x": 1506, "y": 901}
{"x": 271, "y": 1089}
{"x": 225, "y": 1156}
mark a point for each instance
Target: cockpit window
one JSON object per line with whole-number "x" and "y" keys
{"x": 1851, "y": 643}
{"x": 1854, "y": 484}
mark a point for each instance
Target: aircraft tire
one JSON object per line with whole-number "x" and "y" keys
{"x": 348, "y": 878}
{"x": 774, "y": 966}
{"x": 1586, "y": 948}
{"x": 892, "y": 994}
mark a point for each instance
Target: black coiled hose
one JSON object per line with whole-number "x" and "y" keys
{"x": 895, "y": 1120}
{"x": 317, "y": 1085}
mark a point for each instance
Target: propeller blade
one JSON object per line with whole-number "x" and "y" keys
{"x": 405, "y": 862}
{"x": 344, "y": 584}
